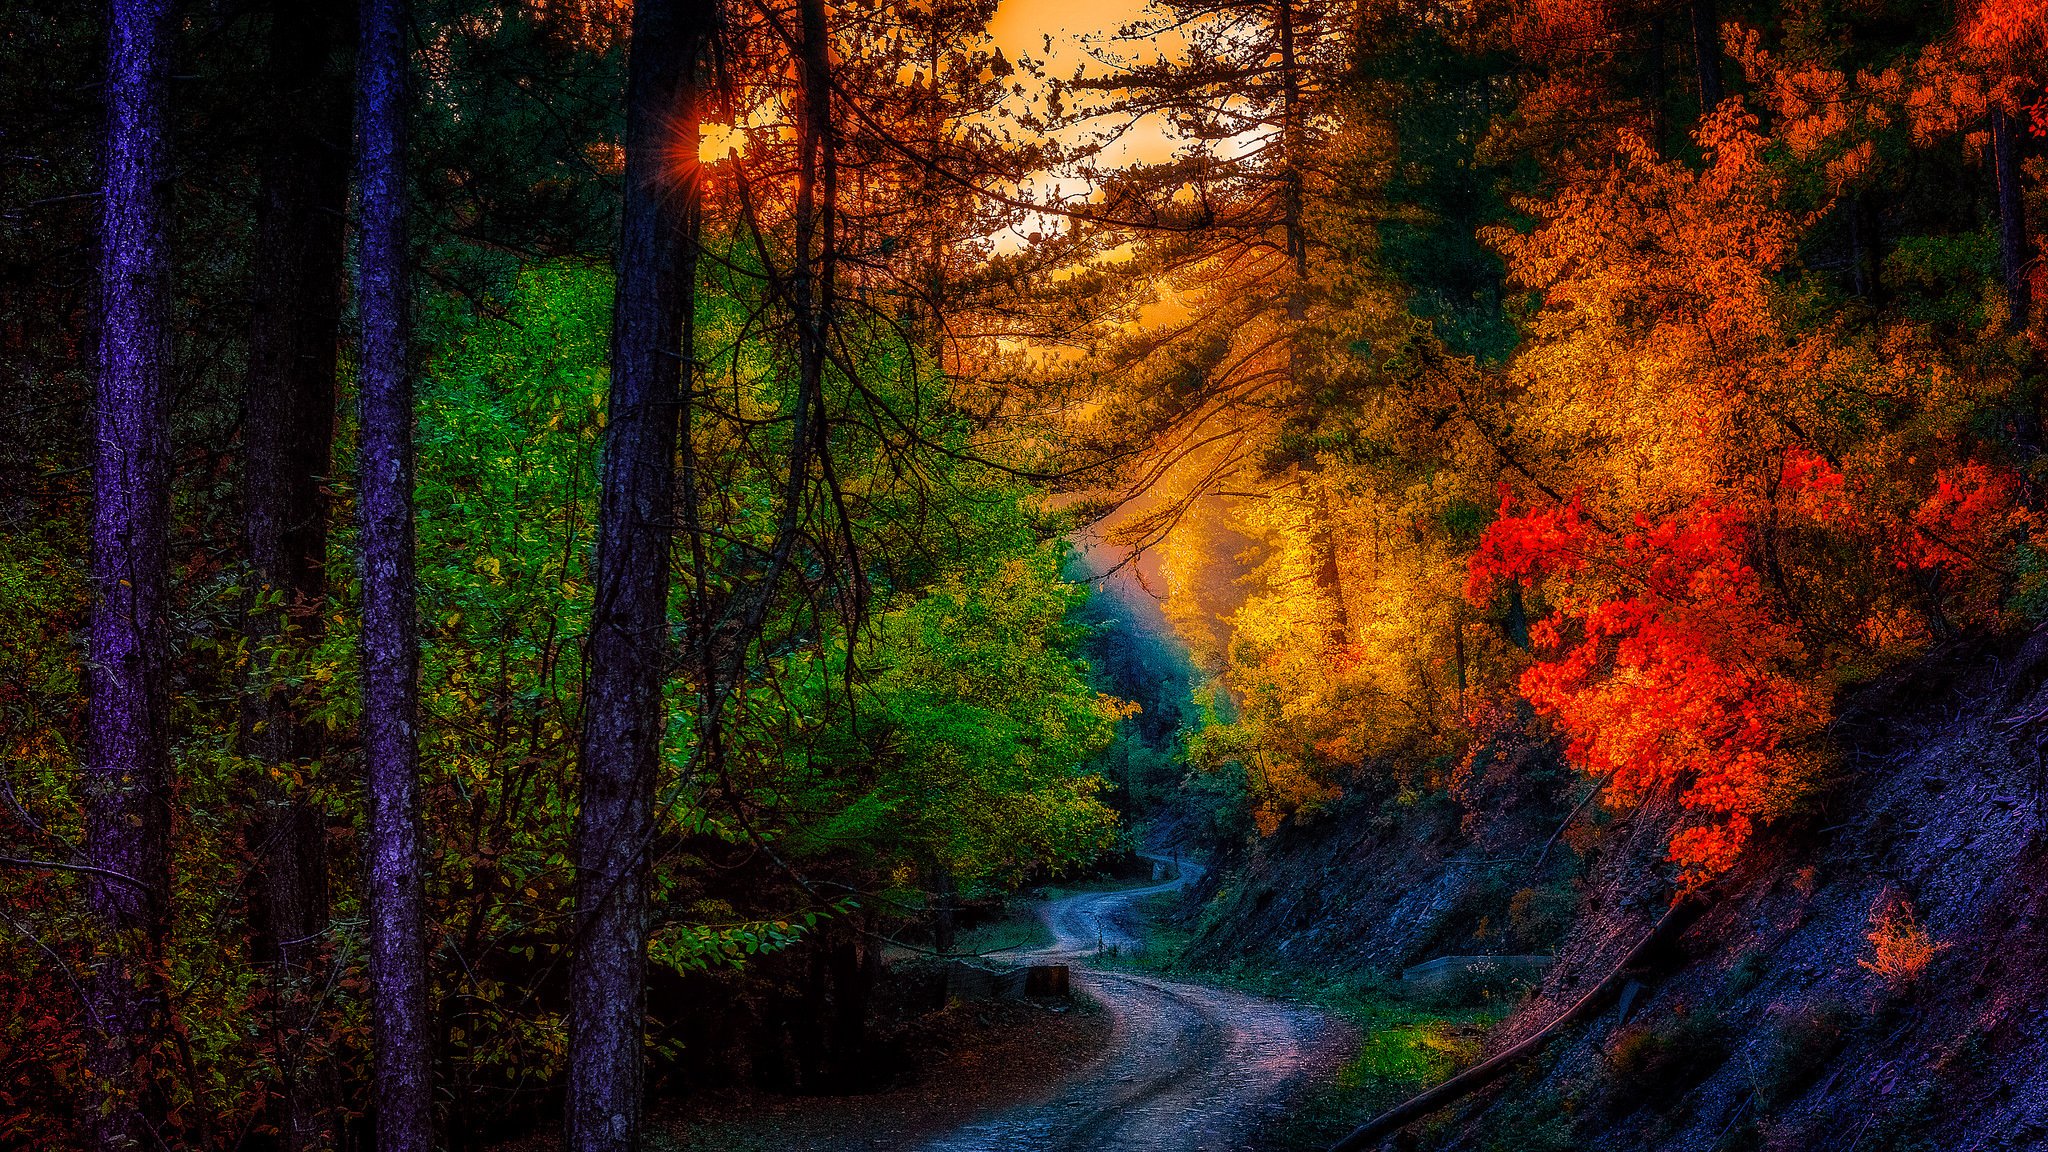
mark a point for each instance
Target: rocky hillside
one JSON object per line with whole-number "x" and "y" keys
{"x": 1874, "y": 977}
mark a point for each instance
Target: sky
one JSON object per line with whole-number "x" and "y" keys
{"x": 1022, "y": 28}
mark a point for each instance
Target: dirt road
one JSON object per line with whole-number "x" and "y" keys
{"x": 1189, "y": 1068}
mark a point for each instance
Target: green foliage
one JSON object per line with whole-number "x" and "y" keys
{"x": 1800, "y": 1044}
{"x": 42, "y": 589}
{"x": 1411, "y": 1053}
{"x": 1438, "y": 111}
{"x": 1540, "y": 915}
{"x": 2030, "y": 582}
{"x": 1537, "y": 1121}
{"x": 1655, "y": 1062}
{"x": 1944, "y": 278}
{"x": 969, "y": 744}
{"x": 1748, "y": 971}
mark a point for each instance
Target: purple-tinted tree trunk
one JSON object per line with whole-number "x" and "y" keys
{"x": 2012, "y": 216}
{"x": 288, "y": 435}
{"x": 127, "y": 770}
{"x": 392, "y": 853}
{"x": 628, "y": 646}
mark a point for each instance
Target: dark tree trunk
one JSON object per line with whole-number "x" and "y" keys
{"x": 127, "y": 770}
{"x": 288, "y": 435}
{"x": 1294, "y": 145}
{"x": 1329, "y": 574}
{"x": 1656, "y": 81}
{"x": 1706, "y": 54}
{"x": 392, "y": 852}
{"x": 945, "y": 897}
{"x": 1866, "y": 258}
{"x": 2012, "y": 218}
{"x": 1515, "y": 626}
{"x": 855, "y": 970}
{"x": 628, "y": 646}
{"x": 808, "y": 1032}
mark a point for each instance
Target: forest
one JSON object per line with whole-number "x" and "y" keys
{"x": 567, "y": 566}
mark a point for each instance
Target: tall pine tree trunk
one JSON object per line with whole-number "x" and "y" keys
{"x": 1654, "y": 79}
{"x": 127, "y": 770}
{"x": 2012, "y": 219}
{"x": 1706, "y": 54}
{"x": 288, "y": 435}
{"x": 1293, "y": 143}
{"x": 1866, "y": 260}
{"x": 391, "y": 851}
{"x": 628, "y": 647}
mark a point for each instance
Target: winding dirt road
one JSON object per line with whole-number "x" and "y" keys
{"x": 1189, "y": 1068}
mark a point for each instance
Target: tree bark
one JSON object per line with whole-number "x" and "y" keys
{"x": 945, "y": 897}
{"x": 1656, "y": 81}
{"x": 1329, "y": 574}
{"x": 288, "y": 436}
{"x": 1866, "y": 259}
{"x": 2012, "y": 217}
{"x": 390, "y": 629}
{"x": 1706, "y": 53}
{"x": 855, "y": 969}
{"x": 1295, "y": 150}
{"x": 628, "y": 647}
{"x": 127, "y": 770}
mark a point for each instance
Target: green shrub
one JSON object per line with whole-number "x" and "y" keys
{"x": 1799, "y": 1046}
{"x": 1654, "y": 1063}
{"x": 1748, "y": 971}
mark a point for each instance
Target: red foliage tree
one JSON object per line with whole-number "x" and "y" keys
{"x": 1663, "y": 664}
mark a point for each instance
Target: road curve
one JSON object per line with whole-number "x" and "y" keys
{"x": 1189, "y": 1068}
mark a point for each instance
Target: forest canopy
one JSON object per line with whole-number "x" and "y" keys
{"x": 542, "y": 537}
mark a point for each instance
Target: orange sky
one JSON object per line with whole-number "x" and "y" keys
{"x": 1021, "y": 28}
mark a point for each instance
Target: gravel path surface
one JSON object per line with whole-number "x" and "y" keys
{"x": 1189, "y": 1068}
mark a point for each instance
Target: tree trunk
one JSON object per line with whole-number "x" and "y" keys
{"x": 127, "y": 770}
{"x": 1329, "y": 574}
{"x": 1656, "y": 81}
{"x": 628, "y": 647}
{"x": 2012, "y": 217}
{"x": 1515, "y": 625}
{"x": 390, "y": 637}
{"x": 1706, "y": 53}
{"x": 855, "y": 969}
{"x": 945, "y": 896}
{"x": 288, "y": 435}
{"x": 1866, "y": 258}
{"x": 1295, "y": 149}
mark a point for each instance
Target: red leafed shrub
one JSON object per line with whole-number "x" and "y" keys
{"x": 1526, "y": 548}
{"x": 1665, "y": 667}
{"x": 1964, "y": 523}
{"x": 1815, "y": 489}
{"x": 41, "y": 1055}
{"x": 1961, "y": 537}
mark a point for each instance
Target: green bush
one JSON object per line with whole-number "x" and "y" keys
{"x": 1799, "y": 1046}
{"x": 1654, "y": 1063}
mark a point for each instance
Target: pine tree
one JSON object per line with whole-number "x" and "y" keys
{"x": 128, "y": 813}
{"x": 393, "y": 854}
{"x": 629, "y": 648}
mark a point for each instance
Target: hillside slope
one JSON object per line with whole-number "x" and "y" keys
{"x": 1765, "y": 1027}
